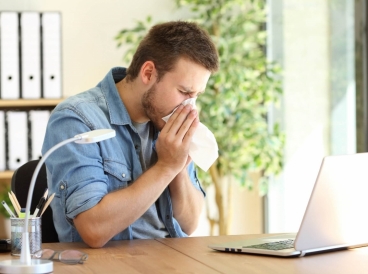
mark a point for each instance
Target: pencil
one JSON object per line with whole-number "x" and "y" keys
{"x": 47, "y": 203}
{"x": 15, "y": 199}
{"x": 14, "y": 204}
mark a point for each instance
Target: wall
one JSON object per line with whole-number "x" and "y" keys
{"x": 88, "y": 31}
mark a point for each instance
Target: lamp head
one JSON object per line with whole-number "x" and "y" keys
{"x": 95, "y": 136}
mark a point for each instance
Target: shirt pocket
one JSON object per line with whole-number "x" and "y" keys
{"x": 120, "y": 176}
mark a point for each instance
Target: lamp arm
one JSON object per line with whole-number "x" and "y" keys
{"x": 25, "y": 256}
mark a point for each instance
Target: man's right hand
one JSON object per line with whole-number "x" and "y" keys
{"x": 173, "y": 142}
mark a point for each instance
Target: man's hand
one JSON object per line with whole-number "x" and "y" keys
{"x": 174, "y": 139}
{"x": 173, "y": 152}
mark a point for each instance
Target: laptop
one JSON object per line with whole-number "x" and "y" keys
{"x": 336, "y": 216}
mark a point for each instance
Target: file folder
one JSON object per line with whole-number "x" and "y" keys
{"x": 51, "y": 54}
{"x": 30, "y": 26}
{"x": 9, "y": 56}
{"x": 2, "y": 141}
{"x": 38, "y": 123}
{"x": 17, "y": 135}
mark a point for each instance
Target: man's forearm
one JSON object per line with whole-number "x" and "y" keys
{"x": 187, "y": 202}
{"x": 117, "y": 210}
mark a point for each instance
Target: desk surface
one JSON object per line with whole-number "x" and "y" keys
{"x": 191, "y": 255}
{"x": 346, "y": 261}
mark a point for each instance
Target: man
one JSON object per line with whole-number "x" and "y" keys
{"x": 142, "y": 183}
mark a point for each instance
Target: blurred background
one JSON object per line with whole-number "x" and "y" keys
{"x": 312, "y": 54}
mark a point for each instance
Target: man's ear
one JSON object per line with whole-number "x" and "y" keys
{"x": 148, "y": 72}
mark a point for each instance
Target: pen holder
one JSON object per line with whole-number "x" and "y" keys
{"x": 35, "y": 234}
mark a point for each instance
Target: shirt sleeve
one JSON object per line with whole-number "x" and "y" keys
{"x": 194, "y": 178}
{"x": 77, "y": 173}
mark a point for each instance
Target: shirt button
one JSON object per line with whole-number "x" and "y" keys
{"x": 123, "y": 175}
{"x": 62, "y": 187}
{"x": 136, "y": 146}
{"x": 167, "y": 217}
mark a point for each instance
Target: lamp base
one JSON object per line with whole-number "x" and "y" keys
{"x": 36, "y": 266}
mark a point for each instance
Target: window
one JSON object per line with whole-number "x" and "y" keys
{"x": 324, "y": 107}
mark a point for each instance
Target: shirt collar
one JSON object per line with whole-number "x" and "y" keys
{"x": 117, "y": 110}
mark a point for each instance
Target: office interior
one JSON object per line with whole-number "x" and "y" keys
{"x": 322, "y": 49}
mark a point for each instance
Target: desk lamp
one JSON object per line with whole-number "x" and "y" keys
{"x": 25, "y": 264}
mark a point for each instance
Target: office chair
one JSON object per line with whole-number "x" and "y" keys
{"x": 20, "y": 182}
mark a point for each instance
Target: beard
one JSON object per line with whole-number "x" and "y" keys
{"x": 152, "y": 112}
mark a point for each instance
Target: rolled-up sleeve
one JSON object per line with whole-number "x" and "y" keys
{"x": 194, "y": 178}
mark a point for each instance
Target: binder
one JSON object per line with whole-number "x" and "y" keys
{"x": 17, "y": 138}
{"x": 2, "y": 141}
{"x": 30, "y": 55}
{"x": 51, "y": 54}
{"x": 38, "y": 122}
{"x": 9, "y": 56}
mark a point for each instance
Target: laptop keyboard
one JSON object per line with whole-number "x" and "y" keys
{"x": 280, "y": 245}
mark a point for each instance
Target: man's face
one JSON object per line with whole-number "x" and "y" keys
{"x": 186, "y": 80}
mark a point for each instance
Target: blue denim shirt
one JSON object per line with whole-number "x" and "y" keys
{"x": 80, "y": 175}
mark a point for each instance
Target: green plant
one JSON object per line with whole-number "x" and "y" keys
{"x": 237, "y": 98}
{"x": 5, "y": 197}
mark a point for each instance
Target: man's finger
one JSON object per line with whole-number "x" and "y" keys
{"x": 187, "y": 124}
{"x": 190, "y": 133}
{"x": 178, "y": 118}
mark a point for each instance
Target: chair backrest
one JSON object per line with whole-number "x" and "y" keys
{"x": 20, "y": 184}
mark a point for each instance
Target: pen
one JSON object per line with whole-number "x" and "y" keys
{"x": 14, "y": 204}
{"x": 47, "y": 203}
{"x": 22, "y": 213}
{"x": 39, "y": 206}
{"x": 8, "y": 209}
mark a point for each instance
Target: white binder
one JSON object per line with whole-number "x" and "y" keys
{"x": 2, "y": 141}
{"x": 17, "y": 135}
{"x": 38, "y": 123}
{"x": 9, "y": 45}
{"x": 51, "y": 51}
{"x": 31, "y": 54}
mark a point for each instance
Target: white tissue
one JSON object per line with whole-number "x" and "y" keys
{"x": 203, "y": 149}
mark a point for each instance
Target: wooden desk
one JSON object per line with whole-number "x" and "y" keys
{"x": 191, "y": 255}
{"x": 138, "y": 256}
{"x": 347, "y": 261}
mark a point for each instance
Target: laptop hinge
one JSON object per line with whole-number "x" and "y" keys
{"x": 302, "y": 253}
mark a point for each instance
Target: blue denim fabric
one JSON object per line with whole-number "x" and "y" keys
{"x": 80, "y": 175}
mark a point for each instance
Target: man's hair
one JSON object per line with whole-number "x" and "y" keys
{"x": 166, "y": 43}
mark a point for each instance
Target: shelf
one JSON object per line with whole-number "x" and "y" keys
{"x": 29, "y": 103}
{"x": 24, "y": 104}
{"x": 6, "y": 175}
